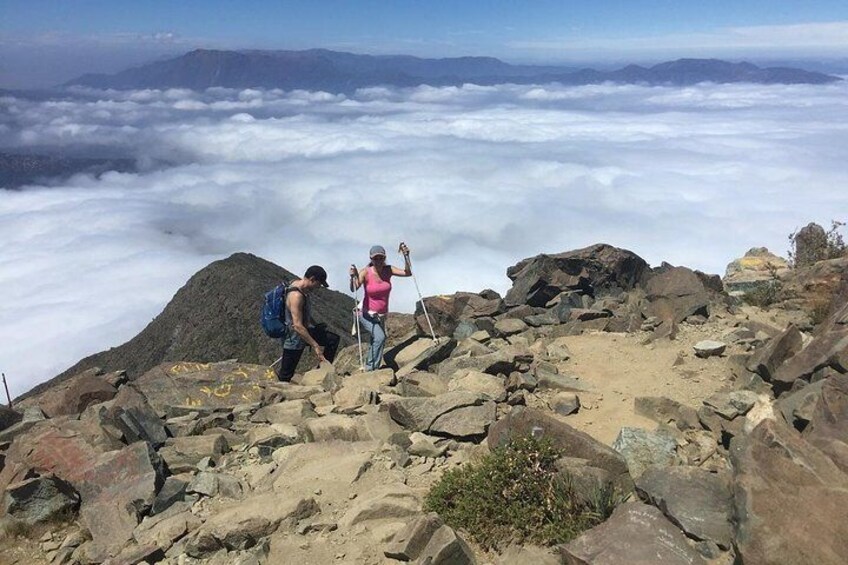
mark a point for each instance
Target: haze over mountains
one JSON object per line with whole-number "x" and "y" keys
{"x": 321, "y": 69}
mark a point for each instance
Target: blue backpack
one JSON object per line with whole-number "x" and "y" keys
{"x": 274, "y": 311}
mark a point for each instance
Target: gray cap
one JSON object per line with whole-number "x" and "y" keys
{"x": 377, "y": 250}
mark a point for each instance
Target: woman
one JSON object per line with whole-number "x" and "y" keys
{"x": 377, "y": 279}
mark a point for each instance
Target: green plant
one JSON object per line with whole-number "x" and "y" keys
{"x": 516, "y": 494}
{"x": 764, "y": 295}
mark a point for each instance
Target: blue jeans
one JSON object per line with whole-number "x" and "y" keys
{"x": 378, "y": 339}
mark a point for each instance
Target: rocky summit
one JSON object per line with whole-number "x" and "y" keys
{"x": 214, "y": 317}
{"x": 715, "y": 428}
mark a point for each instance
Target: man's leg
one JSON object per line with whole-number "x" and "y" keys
{"x": 288, "y": 364}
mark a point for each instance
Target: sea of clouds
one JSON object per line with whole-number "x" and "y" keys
{"x": 473, "y": 179}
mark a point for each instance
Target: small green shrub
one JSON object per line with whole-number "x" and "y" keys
{"x": 764, "y": 295}
{"x": 515, "y": 494}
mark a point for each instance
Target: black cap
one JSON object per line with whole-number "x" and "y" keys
{"x": 318, "y": 273}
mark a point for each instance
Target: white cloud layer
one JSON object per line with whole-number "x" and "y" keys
{"x": 472, "y": 178}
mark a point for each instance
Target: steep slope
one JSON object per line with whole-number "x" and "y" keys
{"x": 214, "y": 317}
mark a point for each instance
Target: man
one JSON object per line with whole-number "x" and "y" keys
{"x": 300, "y": 332}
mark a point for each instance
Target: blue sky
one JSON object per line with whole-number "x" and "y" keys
{"x": 55, "y": 40}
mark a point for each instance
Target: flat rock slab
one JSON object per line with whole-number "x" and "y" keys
{"x": 182, "y": 454}
{"x": 433, "y": 354}
{"x": 697, "y": 501}
{"x": 242, "y": 525}
{"x": 490, "y": 386}
{"x": 790, "y": 498}
{"x": 389, "y": 502}
{"x": 291, "y": 412}
{"x": 468, "y": 422}
{"x": 824, "y": 350}
{"x": 636, "y": 534}
{"x": 305, "y": 467}
{"x": 419, "y": 414}
{"x": 203, "y": 385}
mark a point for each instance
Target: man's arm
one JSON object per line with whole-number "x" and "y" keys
{"x": 295, "y": 302}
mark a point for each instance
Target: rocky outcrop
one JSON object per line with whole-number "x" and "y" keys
{"x": 447, "y": 311}
{"x": 595, "y": 270}
{"x": 756, "y": 268}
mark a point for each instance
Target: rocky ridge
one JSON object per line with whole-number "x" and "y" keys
{"x": 219, "y": 463}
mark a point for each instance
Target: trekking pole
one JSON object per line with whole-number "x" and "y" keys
{"x": 420, "y": 298}
{"x": 356, "y": 325}
{"x": 8, "y": 397}
{"x": 277, "y": 361}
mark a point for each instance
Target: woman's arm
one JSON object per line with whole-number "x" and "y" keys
{"x": 358, "y": 280}
{"x": 407, "y": 265}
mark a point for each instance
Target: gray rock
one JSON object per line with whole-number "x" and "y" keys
{"x": 182, "y": 454}
{"x": 394, "y": 501}
{"x": 173, "y": 490}
{"x": 436, "y": 353}
{"x": 635, "y": 533}
{"x": 565, "y": 403}
{"x": 204, "y": 483}
{"x": 419, "y": 414}
{"x": 491, "y": 386}
{"x": 699, "y": 502}
{"x": 666, "y": 411}
{"x": 292, "y": 412}
{"x": 409, "y": 542}
{"x": 467, "y": 422}
{"x": 767, "y": 359}
{"x": 642, "y": 449}
{"x": 447, "y": 548}
{"x": 709, "y": 348}
{"x": 789, "y": 497}
{"x": 509, "y": 326}
{"x": 39, "y": 500}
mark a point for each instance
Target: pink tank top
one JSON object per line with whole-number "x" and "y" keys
{"x": 377, "y": 292}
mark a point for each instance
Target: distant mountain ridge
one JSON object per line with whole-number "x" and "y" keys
{"x": 335, "y": 71}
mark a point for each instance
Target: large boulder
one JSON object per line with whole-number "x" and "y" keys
{"x": 116, "y": 491}
{"x": 768, "y": 358}
{"x": 203, "y": 385}
{"x": 643, "y": 448}
{"x": 9, "y": 417}
{"x": 524, "y": 422}
{"x": 446, "y": 311}
{"x": 456, "y": 414}
{"x": 790, "y": 498}
{"x": 828, "y": 349}
{"x": 828, "y": 427}
{"x": 637, "y": 534}
{"x": 674, "y": 294}
{"x": 697, "y": 501}
{"x": 39, "y": 500}
{"x": 593, "y": 270}
{"x": 73, "y": 395}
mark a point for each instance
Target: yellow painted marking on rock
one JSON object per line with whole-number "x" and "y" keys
{"x": 223, "y": 390}
{"x": 206, "y": 390}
